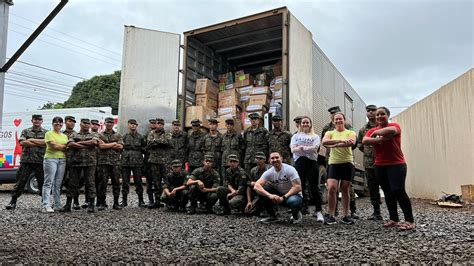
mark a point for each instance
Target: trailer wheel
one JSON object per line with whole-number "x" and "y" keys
{"x": 32, "y": 184}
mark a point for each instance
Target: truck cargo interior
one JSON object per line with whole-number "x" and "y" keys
{"x": 245, "y": 45}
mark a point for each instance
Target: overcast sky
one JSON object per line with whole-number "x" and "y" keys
{"x": 393, "y": 53}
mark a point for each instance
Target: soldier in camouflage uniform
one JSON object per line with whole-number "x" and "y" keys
{"x": 146, "y": 168}
{"x": 95, "y": 125}
{"x": 255, "y": 140}
{"x": 70, "y": 123}
{"x": 132, "y": 162}
{"x": 33, "y": 149}
{"x": 233, "y": 194}
{"x": 109, "y": 164}
{"x": 252, "y": 207}
{"x": 179, "y": 143}
{"x": 159, "y": 145}
{"x": 213, "y": 144}
{"x": 196, "y": 146}
{"x": 84, "y": 160}
{"x": 232, "y": 143}
{"x": 175, "y": 193}
{"x": 203, "y": 183}
{"x": 279, "y": 140}
{"x": 369, "y": 163}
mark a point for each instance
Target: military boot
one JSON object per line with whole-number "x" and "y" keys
{"x": 192, "y": 208}
{"x": 141, "y": 203}
{"x": 90, "y": 205}
{"x": 124, "y": 202}
{"x": 67, "y": 206}
{"x": 116, "y": 205}
{"x": 12, "y": 204}
{"x": 100, "y": 204}
{"x": 76, "y": 205}
{"x": 376, "y": 215}
{"x": 151, "y": 201}
{"x": 353, "y": 210}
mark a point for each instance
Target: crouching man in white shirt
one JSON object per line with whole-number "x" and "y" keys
{"x": 280, "y": 185}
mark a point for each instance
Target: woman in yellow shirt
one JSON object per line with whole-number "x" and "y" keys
{"x": 54, "y": 165}
{"x": 341, "y": 166}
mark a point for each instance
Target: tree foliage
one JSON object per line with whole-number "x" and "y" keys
{"x": 96, "y": 92}
{"x": 51, "y": 105}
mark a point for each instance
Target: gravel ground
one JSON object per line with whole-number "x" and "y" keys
{"x": 135, "y": 235}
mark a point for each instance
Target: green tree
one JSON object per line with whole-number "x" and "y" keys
{"x": 96, "y": 92}
{"x": 51, "y": 105}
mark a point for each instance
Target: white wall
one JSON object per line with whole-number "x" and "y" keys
{"x": 437, "y": 140}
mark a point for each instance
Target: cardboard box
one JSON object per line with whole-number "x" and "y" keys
{"x": 278, "y": 94}
{"x": 252, "y": 108}
{"x": 245, "y": 90}
{"x": 261, "y": 91}
{"x": 467, "y": 192}
{"x": 198, "y": 112}
{"x": 229, "y": 93}
{"x": 232, "y": 110}
{"x": 237, "y": 124}
{"x": 209, "y": 101}
{"x": 244, "y": 98}
{"x": 238, "y": 74}
{"x": 262, "y": 99}
{"x": 229, "y": 86}
{"x": 222, "y": 86}
{"x": 244, "y": 80}
{"x": 206, "y": 86}
{"x": 229, "y": 101}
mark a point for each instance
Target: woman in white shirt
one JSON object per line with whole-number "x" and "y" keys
{"x": 304, "y": 146}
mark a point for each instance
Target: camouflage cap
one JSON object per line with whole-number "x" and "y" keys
{"x": 195, "y": 122}
{"x": 371, "y": 107}
{"x": 230, "y": 121}
{"x": 109, "y": 120}
{"x": 233, "y": 157}
{"x": 85, "y": 120}
{"x": 260, "y": 155}
{"x": 152, "y": 121}
{"x": 132, "y": 121}
{"x": 70, "y": 117}
{"x": 254, "y": 115}
{"x": 209, "y": 157}
{"x": 95, "y": 122}
{"x": 297, "y": 119}
{"x": 276, "y": 118}
{"x": 212, "y": 121}
{"x": 176, "y": 122}
{"x": 176, "y": 163}
{"x": 160, "y": 121}
{"x": 37, "y": 116}
{"x": 334, "y": 109}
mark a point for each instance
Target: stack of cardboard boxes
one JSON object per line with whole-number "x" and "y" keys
{"x": 237, "y": 95}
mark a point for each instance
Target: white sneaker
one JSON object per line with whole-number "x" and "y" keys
{"x": 298, "y": 219}
{"x": 319, "y": 217}
{"x": 47, "y": 209}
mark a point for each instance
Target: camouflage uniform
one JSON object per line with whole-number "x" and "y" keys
{"x": 179, "y": 144}
{"x": 174, "y": 180}
{"x": 213, "y": 145}
{"x": 31, "y": 161}
{"x": 232, "y": 143}
{"x": 195, "y": 148}
{"x": 109, "y": 166}
{"x": 279, "y": 141}
{"x": 369, "y": 165}
{"x": 132, "y": 162}
{"x": 84, "y": 162}
{"x": 68, "y": 133}
{"x": 238, "y": 179}
{"x": 210, "y": 179}
{"x": 159, "y": 145}
{"x": 255, "y": 140}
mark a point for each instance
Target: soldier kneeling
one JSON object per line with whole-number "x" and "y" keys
{"x": 203, "y": 183}
{"x": 233, "y": 194}
{"x": 175, "y": 194}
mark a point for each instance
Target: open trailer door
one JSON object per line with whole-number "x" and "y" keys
{"x": 149, "y": 80}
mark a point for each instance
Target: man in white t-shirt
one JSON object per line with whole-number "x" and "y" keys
{"x": 280, "y": 184}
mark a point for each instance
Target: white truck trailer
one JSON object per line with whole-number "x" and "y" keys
{"x": 153, "y": 81}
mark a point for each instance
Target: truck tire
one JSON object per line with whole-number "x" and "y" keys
{"x": 32, "y": 184}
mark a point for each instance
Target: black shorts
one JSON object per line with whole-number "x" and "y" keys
{"x": 341, "y": 171}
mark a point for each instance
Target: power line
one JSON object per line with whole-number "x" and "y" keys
{"x": 65, "y": 48}
{"x": 66, "y": 34}
{"x": 70, "y": 43}
{"x": 16, "y": 67}
{"x": 34, "y": 92}
{"x": 38, "y": 78}
{"x": 49, "y": 69}
{"x": 38, "y": 86}
{"x": 28, "y": 96}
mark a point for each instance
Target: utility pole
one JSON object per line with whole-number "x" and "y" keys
{"x": 4, "y": 9}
